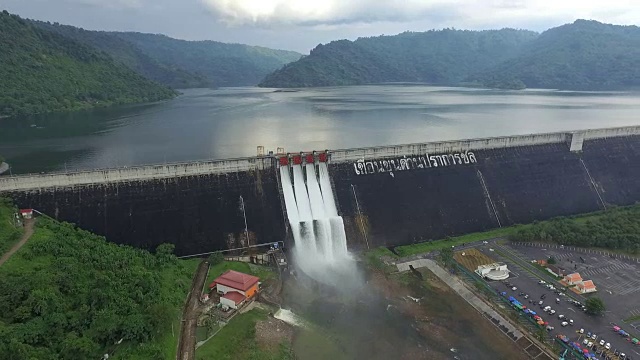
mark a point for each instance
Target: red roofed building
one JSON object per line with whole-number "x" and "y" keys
{"x": 232, "y": 299}
{"x": 26, "y": 213}
{"x": 573, "y": 279}
{"x": 234, "y": 281}
{"x": 586, "y": 286}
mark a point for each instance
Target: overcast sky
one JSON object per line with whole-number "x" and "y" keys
{"x": 302, "y": 24}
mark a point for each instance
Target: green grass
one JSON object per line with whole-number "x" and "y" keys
{"x": 632, "y": 319}
{"x": 9, "y": 233}
{"x": 236, "y": 341}
{"x": 430, "y": 246}
{"x": 262, "y": 272}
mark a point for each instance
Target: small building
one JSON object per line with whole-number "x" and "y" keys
{"x": 495, "y": 271}
{"x": 585, "y": 287}
{"x": 26, "y": 213}
{"x": 232, "y": 280}
{"x": 572, "y": 279}
{"x": 232, "y": 299}
{"x": 555, "y": 270}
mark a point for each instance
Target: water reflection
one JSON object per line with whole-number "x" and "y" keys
{"x": 210, "y": 124}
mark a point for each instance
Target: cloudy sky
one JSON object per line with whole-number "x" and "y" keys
{"x": 302, "y": 24}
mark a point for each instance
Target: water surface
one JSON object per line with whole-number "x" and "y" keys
{"x": 232, "y": 122}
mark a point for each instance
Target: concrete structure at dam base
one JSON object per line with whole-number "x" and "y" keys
{"x": 387, "y": 196}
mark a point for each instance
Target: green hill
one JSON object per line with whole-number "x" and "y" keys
{"x": 69, "y": 294}
{"x": 584, "y": 55}
{"x": 438, "y": 57}
{"x": 219, "y": 63}
{"x": 128, "y": 54}
{"x": 42, "y": 71}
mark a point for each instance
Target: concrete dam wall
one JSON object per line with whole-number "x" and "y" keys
{"x": 197, "y": 213}
{"x": 388, "y": 195}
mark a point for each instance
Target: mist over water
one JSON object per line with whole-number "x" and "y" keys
{"x": 320, "y": 243}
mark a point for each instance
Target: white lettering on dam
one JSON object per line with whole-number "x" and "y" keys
{"x": 362, "y": 167}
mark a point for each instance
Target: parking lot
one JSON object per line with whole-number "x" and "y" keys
{"x": 610, "y": 275}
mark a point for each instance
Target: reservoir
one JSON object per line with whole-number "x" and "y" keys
{"x": 231, "y": 122}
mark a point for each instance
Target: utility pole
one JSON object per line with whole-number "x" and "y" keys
{"x": 246, "y": 230}
{"x": 364, "y": 231}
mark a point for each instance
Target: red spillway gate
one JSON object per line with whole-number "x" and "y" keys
{"x": 297, "y": 160}
{"x": 322, "y": 157}
{"x": 309, "y": 158}
{"x": 284, "y": 161}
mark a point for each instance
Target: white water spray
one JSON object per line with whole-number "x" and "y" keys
{"x": 318, "y": 231}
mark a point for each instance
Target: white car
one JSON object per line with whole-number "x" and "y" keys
{"x": 570, "y": 321}
{"x": 485, "y": 242}
{"x": 607, "y": 346}
{"x": 552, "y": 311}
{"x": 585, "y": 342}
{"x": 542, "y": 282}
{"x": 590, "y": 344}
{"x": 514, "y": 288}
{"x": 564, "y": 323}
{"x": 581, "y": 331}
{"x": 560, "y": 317}
{"x": 601, "y": 342}
{"x": 594, "y": 336}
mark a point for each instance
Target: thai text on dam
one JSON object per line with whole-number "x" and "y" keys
{"x": 363, "y": 167}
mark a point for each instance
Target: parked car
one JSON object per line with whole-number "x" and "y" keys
{"x": 590, "y": 344}
{"x": 526, "y": 296}
{"x": 594, "y": 336}
{"x": 552, "y": 311}
{"x": 602, "y": 342}
{"x": 560, "y": 317}
{"x": 540, "y": 302}
{"x": 542, "y": 282}
{"x": 564, "y": 323}
{"x": 549, "y": 328}
{"x": 607, "y": 346}
{"x": 581, "y": 331}
{"x": 571, "y": 322}
{"x": 585, "y": 341}
{"x": 514, "y": 288}
{"x": 557, "y": 301}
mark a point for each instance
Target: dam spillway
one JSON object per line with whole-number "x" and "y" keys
{"x": 387, "y": 195}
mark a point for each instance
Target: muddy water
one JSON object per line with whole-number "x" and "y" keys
{"x": 379, "y": 321}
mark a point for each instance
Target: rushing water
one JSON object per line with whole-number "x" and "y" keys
{"x": 214, "y": 124}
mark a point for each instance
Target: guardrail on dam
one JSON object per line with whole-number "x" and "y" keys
{"x": 433, "y": 190}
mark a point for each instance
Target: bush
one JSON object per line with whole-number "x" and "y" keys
{"x": 216, "y": 258}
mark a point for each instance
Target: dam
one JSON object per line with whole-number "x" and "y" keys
{"x": 385, "y": 196}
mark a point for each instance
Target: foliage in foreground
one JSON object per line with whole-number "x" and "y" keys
{"x": 9, "y": 233}
{"x": 236, "y": 341}
{"x": 69, "y": 294}
{"x": 42, "y": 71}
{"x": 614, "y": 229}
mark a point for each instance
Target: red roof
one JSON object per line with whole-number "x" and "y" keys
{"x": 236, "y": 280}
{"x": 26, "y": 211}
{"x": 234, "y": 296}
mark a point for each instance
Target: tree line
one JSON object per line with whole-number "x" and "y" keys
{"x": 618, "y": 229}
{"x": 69, "y": 294}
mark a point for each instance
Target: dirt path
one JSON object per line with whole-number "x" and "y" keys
{"x": 28, "y": 231}
{"x": 187, "y": 344}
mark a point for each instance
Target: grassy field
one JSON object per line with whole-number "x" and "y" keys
{"x": 472, "y": 259}
{"x": 459, "y": 240}
{"x": 236, "y": 341}
{"x": 9, "y": 233}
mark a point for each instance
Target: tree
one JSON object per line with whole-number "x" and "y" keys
{"x": 595, "y": 306}
{"x": 216, "y": 258}
{"x": 551, "y": 260}
{"x": 2, "y": 159}
{"x": 446, "y": 256}
{"x": 164, "y": 253}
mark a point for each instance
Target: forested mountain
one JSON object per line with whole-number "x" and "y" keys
{"x": 219, "y": 63}
{"x": 584, "y": 55}
{"x": 440, "y": 57}
{"x": 42, "y": 71}
{"x": 128, "y": 54}
{"x": 70, "y": 294}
